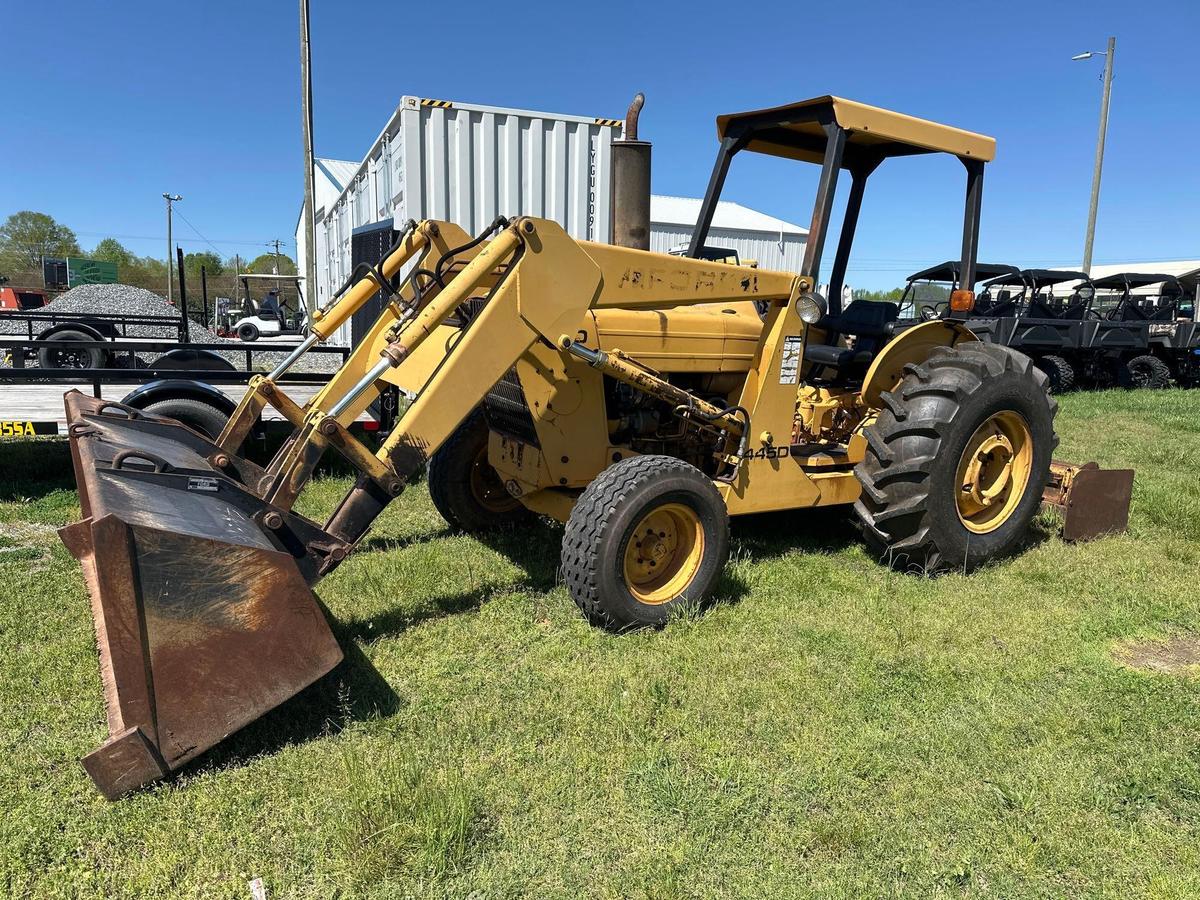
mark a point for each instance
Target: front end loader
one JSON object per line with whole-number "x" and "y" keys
{"x": 641, "y": 399}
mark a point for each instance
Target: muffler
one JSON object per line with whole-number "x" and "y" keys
{"x": 199, "y": 590}
{"x": 1092, "y": 501}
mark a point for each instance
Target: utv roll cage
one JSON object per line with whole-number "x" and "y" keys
{"x": 1035, "y": 297}
{"x": 842, "y": 134}
{"x": 947, "y": 274}
{"x": 1160, "y": 306}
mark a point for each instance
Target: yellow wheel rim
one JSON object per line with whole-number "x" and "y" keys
{"x": 664, "y": 553}
{"x": 994, "y": 471}
{"x": 487, "y": 488}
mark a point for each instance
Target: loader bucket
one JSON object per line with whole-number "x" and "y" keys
{"x": 1092, "y": 501}
{"x": 204, "y": 617}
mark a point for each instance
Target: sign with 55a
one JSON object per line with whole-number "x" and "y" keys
{"x": 13, "y": 429}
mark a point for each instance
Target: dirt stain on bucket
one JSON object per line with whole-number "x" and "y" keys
{"x": 1177, "y": 655}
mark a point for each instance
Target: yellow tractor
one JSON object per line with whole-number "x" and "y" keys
{"x": 641, "y": 399}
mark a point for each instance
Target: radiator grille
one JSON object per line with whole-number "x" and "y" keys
{"x": 506, "y": 410}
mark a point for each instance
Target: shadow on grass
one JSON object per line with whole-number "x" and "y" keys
{"x": 33, "y": 468}
{"x": 818, "y": 530}
{"x": 380, "y": 544}
{"x": 354, "y": 691}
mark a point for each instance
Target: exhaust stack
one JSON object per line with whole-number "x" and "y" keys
{"x": 631, "y": 184}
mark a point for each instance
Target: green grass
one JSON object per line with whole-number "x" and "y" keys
{"x": 830, "y": 729}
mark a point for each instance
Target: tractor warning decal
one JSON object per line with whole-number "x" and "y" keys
{"x": 789, "y": 365}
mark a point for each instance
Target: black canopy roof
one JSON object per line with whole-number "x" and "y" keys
{"x": 1129, "y": 280}
{"x": 948, "y": 271}
{"x": 1039, "y": 277}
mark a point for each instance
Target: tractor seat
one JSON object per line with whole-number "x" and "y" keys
{"x": 868, "y": 322}
{"x": 837, "y": 357}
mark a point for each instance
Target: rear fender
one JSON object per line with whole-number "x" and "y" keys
{"x": 912, "y": 346}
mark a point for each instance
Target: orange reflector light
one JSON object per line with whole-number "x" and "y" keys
{"x": 962, "y": 301}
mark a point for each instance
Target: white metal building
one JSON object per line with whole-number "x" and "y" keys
{"x": 1186, "y": 270}
{"x": 467, "y": 163}
{"x": 773, "y": 243}
{"x": 330, "y": 178}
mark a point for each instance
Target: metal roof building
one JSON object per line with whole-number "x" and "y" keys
{"x": 466, "y": 163}
{"x": 773, "y": 243}
{"x": 1186, "y": 270}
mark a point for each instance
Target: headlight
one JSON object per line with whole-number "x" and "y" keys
{"x": 811, "y": 307}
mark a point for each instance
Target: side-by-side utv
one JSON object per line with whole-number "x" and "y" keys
{"x": 641, "y": 399}
{"x": 1158, "y": 307}
{"x": 927, "y": 293}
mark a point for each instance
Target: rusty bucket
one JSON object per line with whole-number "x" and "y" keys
{"x": 200, "y": 591}
{"x": 1092, "y": 501}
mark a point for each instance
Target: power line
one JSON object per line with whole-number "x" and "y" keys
{"x": 197, "y": 230}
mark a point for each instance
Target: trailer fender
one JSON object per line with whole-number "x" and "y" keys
{"x": 185, "y": 358}
{"x": 178, "y": 389}
{"x": 74, "y": 325}
{"x": 912, "y": 346}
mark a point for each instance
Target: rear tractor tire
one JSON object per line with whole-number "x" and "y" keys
{"x": 1060, "y": 373}
{"x": 647, "y": 537}
{"x": 1147, "y": 371}
{"x": 957, "y": 460}
{"x": 465, "y": 488}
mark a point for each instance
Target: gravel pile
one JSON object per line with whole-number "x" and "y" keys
{"x": 127, "y": 300}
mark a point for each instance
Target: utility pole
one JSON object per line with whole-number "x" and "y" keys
{"x": 310, "y": 239}
{"x": 171, "y": 199}
{"x": 1091, "y": 223}
{"x": 275, "y": 243}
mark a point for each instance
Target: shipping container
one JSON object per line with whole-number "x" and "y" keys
{"x": 466, "y": 164}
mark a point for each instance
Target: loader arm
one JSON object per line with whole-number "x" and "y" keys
{"x": 540, "y": 284}
{"x": 199, "y": 570}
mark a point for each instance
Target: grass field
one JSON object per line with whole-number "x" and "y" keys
{"x": 829, "y": 729}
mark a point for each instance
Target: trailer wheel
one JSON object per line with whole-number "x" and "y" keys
{"x": 647, "y": 536}
{"x": 465, "y": 488}
{"x": 1146, "y": 371}
{"x": 196, "y": 414}
{"x": 1060, "y": 373}
{"x": 63, "y": 358}
{"x": 248, "y": 332}
{"x": 957, "y": 459}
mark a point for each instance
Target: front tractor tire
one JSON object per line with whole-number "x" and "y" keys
{"x": 465, "y": 488}
{"x": 957, "y": 460}
{"x": 648, "y": 536}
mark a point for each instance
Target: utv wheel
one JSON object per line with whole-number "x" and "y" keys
{"x": 957, "y": 459}
{"x": 1147, "y": 371}
{"x": 248, "y": 332}
{"x": 647, "y": 536}
{"x": 1060, "y": 373}
{"x": 465, "y": 488}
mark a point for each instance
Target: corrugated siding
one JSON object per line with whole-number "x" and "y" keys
{"x": 768, "y": 249}
{"x": 467, "y": 164}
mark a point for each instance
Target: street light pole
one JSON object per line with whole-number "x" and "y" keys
{"x": 1091, "y": 223}
{"x": 171, "y": 199}
{"x": 306, "y": 123}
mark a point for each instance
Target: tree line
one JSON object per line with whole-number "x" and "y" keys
{"x": 28, "y": 237}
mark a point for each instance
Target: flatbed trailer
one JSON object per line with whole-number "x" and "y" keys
{"x": 177, "y": 383}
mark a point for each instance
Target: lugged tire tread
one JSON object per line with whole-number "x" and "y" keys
{"x": 586, "y": 525}
{"x": 895, "y": 481}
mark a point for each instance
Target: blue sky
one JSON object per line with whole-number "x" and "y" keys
{"x": 111, "y": 104}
